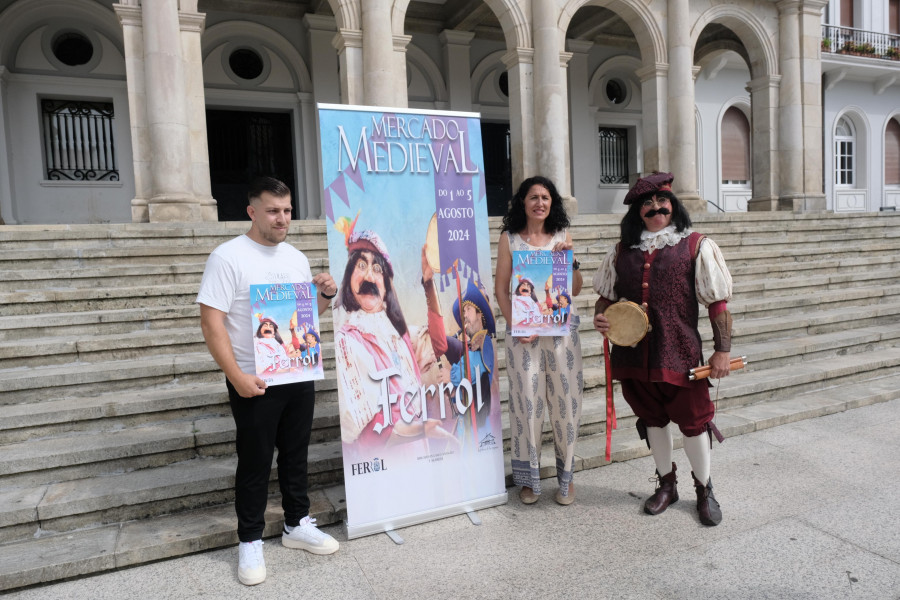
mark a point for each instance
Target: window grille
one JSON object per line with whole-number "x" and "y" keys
{"x": 613, "y": 155}
{"x": 78, "y": 140}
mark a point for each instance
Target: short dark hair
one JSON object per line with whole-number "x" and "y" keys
{"x": 632, "y": 224}
{"x": 515, "y": 219}
{"x": 267, "y": 184}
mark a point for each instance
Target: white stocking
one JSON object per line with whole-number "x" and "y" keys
{"x": 697, "y": 450}
{"x": 660, "y": 439}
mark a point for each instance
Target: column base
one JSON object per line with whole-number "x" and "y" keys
{"x": 169, "y": 212}
{"x": 570, "y": 203}
{"x": 139, "y": 211}
{"x": 693, "y": 203}
{"x": 802, "y": 203}
{"x": 173, "y": 208}
{"x": 209, "y": 209}
{"x": 762, "y": 204}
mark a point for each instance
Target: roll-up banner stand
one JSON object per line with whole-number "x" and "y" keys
{"x": 415, "y": 336}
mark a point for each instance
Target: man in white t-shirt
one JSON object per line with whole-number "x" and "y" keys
{"x": 265, "y": 417}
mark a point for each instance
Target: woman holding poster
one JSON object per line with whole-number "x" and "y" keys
{"x": 544, "y": 371}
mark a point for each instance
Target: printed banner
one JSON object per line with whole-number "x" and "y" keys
{"x": 280, "y": 309}
{"x": 415, "y": 336}
{"x": 549, "y": 314}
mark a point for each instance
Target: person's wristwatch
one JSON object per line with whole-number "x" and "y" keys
{"x": 322, "y": 293}
{"x": 575, "y": 264}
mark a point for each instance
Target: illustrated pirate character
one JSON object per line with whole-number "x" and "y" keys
{"x": 271, "y": 353}
{"x": 377, "y": 354}
{"x": 525, "y": 305}
{"x": 561, "y": 307}
{"x": 470, "y": 351}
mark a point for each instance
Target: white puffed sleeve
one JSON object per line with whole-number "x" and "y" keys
{"x": 605, "y": 277}
{"x": 713, "y": 281}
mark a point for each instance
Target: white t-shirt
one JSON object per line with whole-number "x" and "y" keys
{"x": 230, "y": 271}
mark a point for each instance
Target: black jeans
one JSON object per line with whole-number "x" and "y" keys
{"x": 281, "y": 418}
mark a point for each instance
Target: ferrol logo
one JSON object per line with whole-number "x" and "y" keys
{"x": 373, "y": 466}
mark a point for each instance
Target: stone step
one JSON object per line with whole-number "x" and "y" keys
{"x": 23, "y": 385}
{"x": 134, "y": 234}
{"x": 765, "y": 327}
{"x": 41, "y": 556}
{"x": 72, "y": 456}
{"x": 98, "y": 322}
{"x": 758, "y": 317}
{"x": 100, "y": 348}
{"x": 808, "y": 377}
{"x": 861, "y": 277}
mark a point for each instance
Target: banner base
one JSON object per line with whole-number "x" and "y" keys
{"x": 452, "y": 510}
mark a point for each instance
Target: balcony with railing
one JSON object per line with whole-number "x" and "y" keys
{"x": 858, "y": 42}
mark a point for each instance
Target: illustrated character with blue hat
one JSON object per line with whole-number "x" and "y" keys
{"x": 470, "y": 351}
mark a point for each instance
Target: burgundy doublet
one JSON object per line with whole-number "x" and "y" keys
{"x": 663, "y": 283}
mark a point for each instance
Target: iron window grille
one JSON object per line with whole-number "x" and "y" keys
{"x": 78, "y": 140}
{"x": 613, "y": 155}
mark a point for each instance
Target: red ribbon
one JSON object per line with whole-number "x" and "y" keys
{"x": 610, "y": 406}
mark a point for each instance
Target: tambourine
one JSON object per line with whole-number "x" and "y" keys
{"x": 628, "y": 323}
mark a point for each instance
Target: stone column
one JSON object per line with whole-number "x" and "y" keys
{"x": 457, "y": 72}
{"x": 790, "y": 112}
{"x": 378, "y": 53}
{"x": 323, "y": 63}
{"x": 550, "y": 115}
{"x": 764, "y": 92}
{"x": 811, "y": 76}
{"x": 192, "y": 24}
{"x": 655, "y": 132}
{"x": 309, "y": 198}
{"x": 523, "y": 158}
{"x": 583, "y": 127}
{"x": 6, "y": 185}
{"x": 167, "y": 116}
{"x": 133, "y": 42}
{"x": 348, "y": 43}
{"x": 7, "y": 216}
{"x": 681, "y": 119}
{"x": 401, "y": 93}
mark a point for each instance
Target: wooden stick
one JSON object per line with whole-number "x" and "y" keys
{"x": 703, "y": 372}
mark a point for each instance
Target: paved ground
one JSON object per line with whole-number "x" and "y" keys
{"x": 811, "y": 512}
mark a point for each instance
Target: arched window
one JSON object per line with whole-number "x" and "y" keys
{"x": 892, "y": 153}
{"x": 844, "y": 149}
{"x": 735, "y": 147}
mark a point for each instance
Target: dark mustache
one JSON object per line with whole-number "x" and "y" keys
{"x": 367, "y": 287}
{"x": 657, "y": 211}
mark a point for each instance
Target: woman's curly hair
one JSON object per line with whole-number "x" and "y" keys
{"x": 515, "y": 219}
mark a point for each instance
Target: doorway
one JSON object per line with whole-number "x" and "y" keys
{"x": 244, "y": 145}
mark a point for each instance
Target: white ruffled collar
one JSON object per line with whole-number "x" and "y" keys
{"x": 654, "y": 240}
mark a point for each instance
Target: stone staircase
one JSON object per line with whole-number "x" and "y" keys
{"x": 116, "y": 441}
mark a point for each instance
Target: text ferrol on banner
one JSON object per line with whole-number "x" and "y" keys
{"x": 415, "y": 335}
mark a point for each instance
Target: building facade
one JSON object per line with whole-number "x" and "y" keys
{"x": 162, "y": 110}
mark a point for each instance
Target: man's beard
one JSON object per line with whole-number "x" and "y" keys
{"x": 275, "y": 237}
{"x": 657, "y": 211}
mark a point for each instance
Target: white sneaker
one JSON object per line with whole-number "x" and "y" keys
{"x": 306, "y": 536}
{"x": 251, "y": 566}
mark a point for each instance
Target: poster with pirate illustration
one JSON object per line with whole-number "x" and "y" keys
{"x": 541, "y": 292}
{"x": 286, "y": 338}
{"x": 415, "y": 335}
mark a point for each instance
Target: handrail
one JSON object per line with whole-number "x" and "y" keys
{"x": 844, "y": 40}
{"x": 716, "y": 205}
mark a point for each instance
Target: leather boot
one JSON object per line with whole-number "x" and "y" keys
{"x": 666, "y": 493}
{"x": 707, "y": 505}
